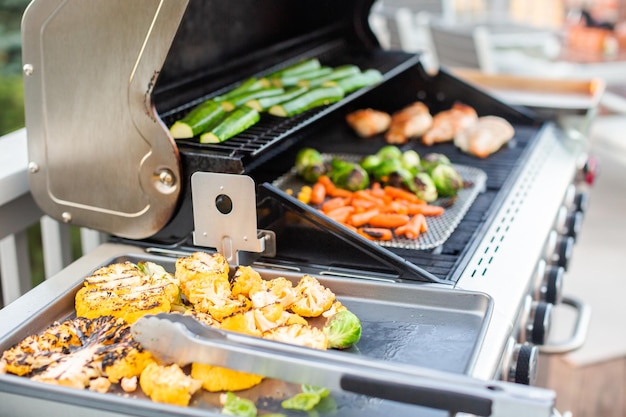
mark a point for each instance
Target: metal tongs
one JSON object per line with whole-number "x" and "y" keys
{"x": 181, "y": 339}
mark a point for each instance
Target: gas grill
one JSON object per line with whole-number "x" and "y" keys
{"x": 105, "y": 80}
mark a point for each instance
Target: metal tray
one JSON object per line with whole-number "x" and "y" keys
{"x": 439, "y": 228}
{"x": 427, "y": 326}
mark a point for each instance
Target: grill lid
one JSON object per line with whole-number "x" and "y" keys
{"x": 99, "y": 155}
{"x": 99, "y": 74}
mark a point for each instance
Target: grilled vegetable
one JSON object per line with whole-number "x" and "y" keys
{"x": 241, "y": 99}
{"x": 343, "y": 330}
{"x": 127, "y": 291}
{"x": 233, "y": 405}
{"x": 298, "y": 334}
{"x": 264, "y": 103}
{"x": 370, "y": 162}
{"x": 447, "y": 180}
{"x": 215, "y": 378}
{"x": 336, "y": 74}
{"x": 313, "y": 98}
{"x": 355, "y": 82}
{"x": 431, "y": 160}
{"x": 234, "y": 123}
{"x": 197, "y": 120}
{"x": 389, "y": 152}
{"x": 250, "y": 84}
{"x": 411, "y": 160}
{"x": 78, "y": 351}
{"x": 310, "y": 164}
{"x": 312, "y": 298}
{"x": 297, "y": 68}
{"x": 348, "y": 175}
{"x": 424, "y": 187}
{"x": 168, "y": 384}
{"x": 303, "y": 401}
{"x": 292, "y": 80}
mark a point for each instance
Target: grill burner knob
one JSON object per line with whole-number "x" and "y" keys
{"x": 538, "y": 323}
{"x": 581, "y": 202}
{"x": 562, "y": 252}
{"x": 523, "y": 369}
{"x": 549, "y": 283}
{"x": 573, "y": 224}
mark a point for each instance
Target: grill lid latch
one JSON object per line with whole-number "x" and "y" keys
{"x": 225, "y": 217}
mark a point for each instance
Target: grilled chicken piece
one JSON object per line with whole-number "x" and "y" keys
{"x": 368, "y": 122}
{"x": 447, "y": 123}
{"x": 78, "y": 352}
{"x": 410, "y": 122}
{"x": 127, "y": 291}
{"x": 484, "y": 137}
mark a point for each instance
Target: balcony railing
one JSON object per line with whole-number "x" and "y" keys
{"x": 18, "y": 212}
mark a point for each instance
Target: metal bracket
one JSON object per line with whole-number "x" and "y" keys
{"x": 224, "y": 214}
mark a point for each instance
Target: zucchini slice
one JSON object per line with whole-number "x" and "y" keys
{"x": 297, "y": 68}
{"x": 356, "y": 82}
{"x": 197, "y": 120}
{"x": 293, "y": 79}
{"x": 238, "y": 100}
{"x": 264, "y": 103}
{"x": 234, "y": 123}
{"x": 251, "y": 84}
{"x": 313, "y": 98}
{"x": 338, "y": 73}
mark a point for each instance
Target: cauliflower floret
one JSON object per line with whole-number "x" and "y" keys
{"x": 298, "y": 334}
{"x": 215, "y": 378}
{"x": 247, "y": 281}
{"x": 200, "y": 266}
{"x": 312, "y": 298}
{"x": 241, "y": 323}
{"x": 168, "y": 384}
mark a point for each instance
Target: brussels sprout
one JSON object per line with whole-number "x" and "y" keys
{"x": 386, "y": 168}
{"x": 431, "y": 160}
{"x": 370, "y": 162}
{"x": 411, "y": 160}
{"x": 425, "y": 187}
{"x": 343, "y": 330}
{"x": 237, "y": 406}
{"x": 447, "y": 180}
{"x": 348, "y": 175}
{"x": 389, "y": 152}
{"x": 310, "y": 164}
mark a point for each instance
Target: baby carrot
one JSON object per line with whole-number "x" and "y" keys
{"x": 389, "y": 220}
{"x": 318, "y": 193}
{"x": 340, "y": 214}
{"x": 401, "y": 194}
{"x": 334, "y": 203}
{"x": 360, "y": 219}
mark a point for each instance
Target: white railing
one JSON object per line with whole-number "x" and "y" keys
{"x": 18, "y": 212}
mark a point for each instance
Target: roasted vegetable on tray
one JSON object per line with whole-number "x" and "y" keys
{"x": 284, "y": 93}
{"x": 383, "y": 196}
{"x": 95, "y": 350}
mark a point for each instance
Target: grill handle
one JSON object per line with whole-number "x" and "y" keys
{"x": 579, "y": 334}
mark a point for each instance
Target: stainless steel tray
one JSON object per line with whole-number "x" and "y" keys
{"x": 421, "y": 325}
{"x": 439, "y": 228}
